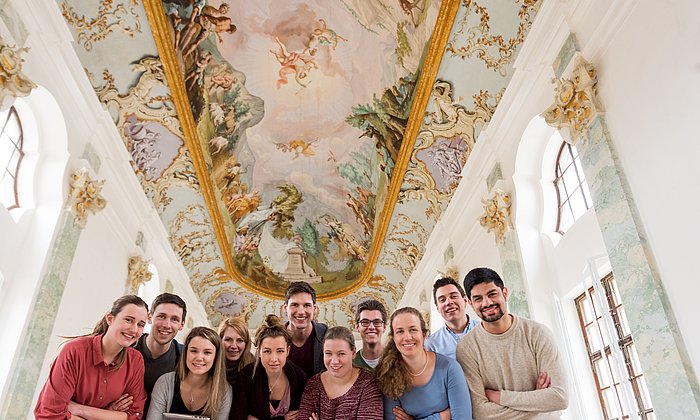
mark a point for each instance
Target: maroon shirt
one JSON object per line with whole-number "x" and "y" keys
{"x": 80, "y": 374}
{"x": 304, "y": 356}
{"x": 362, "y": 401}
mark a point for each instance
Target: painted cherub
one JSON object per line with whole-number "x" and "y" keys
{"x": 324, "y": 36}
{"x": 297, "y": 63}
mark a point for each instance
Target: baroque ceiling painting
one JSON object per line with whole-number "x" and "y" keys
{"x": 298, "y": 140}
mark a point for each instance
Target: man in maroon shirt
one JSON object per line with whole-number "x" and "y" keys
{"x": 307, "y": 336}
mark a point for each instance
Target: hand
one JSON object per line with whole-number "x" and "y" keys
{"x": 446, "y": 414}
{"x": 493, "y": 396}
{"x": 401, "y": 414}
{"x": 292, "y": 415}
{"x": 122, "y": 403}
{"x": 74, "y": 408}
{"x": 314, "y": 416}
{"x": 252, "y": 417}
{"x": 543, "y": 381}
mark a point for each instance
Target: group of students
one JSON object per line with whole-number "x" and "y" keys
{"x": 305, "y": 370}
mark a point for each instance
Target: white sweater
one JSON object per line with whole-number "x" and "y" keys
{"x": 510, "y": 363}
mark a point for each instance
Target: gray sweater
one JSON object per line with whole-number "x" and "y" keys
{"x": 162, "y": 398}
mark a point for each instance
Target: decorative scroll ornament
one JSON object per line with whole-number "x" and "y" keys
{"x": 576, "y": 102}
{"x": 13, "y": 82}
{"x": 138, "y": 273}
{"x": 85, "y": 196}
{"x": 496, "y": 217}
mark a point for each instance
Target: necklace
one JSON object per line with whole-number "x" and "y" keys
{"x": 425, "y": 366}
{"x": 274, "y": 384}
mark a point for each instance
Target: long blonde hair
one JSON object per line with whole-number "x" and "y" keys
{"x": 241, "y": 328}
{"x": 217, "y": 373}
{"x": 392, "y": 373}
{"x": 271, "y": 327}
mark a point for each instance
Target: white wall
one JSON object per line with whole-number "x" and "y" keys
{"x": 68, "y": 118}
{"x": 646, "y": 54}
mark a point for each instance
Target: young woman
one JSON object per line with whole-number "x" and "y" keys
{"x": 198, "y": 386}
{"x": 236, "y": 340}
{"x": 342, "y": 391}
{"x": 93, "y": 371}
{"x": 273, "y": 385}
{"x": 417, "y": 383}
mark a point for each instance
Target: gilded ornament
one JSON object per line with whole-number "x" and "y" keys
{"x": 477, "y": 40}
{"x": 496, "y": 217}
{"x": 85, "y": 196}
{"x": 576, "y": 102}
{"x": 109, "y": 17}
{"x": 13, "y": 82}
{"x": 138, "y": 273}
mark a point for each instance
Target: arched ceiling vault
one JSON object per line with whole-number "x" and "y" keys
{"x": 298, "y": 140}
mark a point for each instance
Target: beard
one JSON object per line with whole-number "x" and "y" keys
{"x": 492, "y": 318}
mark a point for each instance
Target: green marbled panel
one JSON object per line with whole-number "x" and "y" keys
{"x": 672, "y": 383}
{"x": 25, "y": 371}
{"x": 513, "y": 275}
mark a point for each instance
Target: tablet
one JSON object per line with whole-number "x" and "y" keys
{"x": 174, "y": 416}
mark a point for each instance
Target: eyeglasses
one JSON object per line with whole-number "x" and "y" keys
{"x": 376, "y": 322}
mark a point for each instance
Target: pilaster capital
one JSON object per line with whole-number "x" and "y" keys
{"x": 138, "y": 273}
{"x": 576, "y": 102}
{"x": 13, "y": 82}
{"x": 85, "y": 196}
{"x": 496, "y": 216}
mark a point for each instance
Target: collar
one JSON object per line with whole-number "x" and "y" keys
{"x": 97, "y": 357}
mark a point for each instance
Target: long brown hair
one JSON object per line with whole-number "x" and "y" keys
{"x": 271, "y": 327}
{"x": 102, "y": 326}
{"x": 217, "y": 373}
{"x": 392, "y": 372}
{"x": 241, "y": 328}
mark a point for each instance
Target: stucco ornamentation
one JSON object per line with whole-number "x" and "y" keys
{"x": 109, "y": 17}
{"x": 477, "y": 40}
{"x": 138, "y": 273}
{"x": 85, "y": 196}
{"x": 576, "y": 102}
{"x": 496, "y": 217}
{"x": 443, "y": 146}
{"x": 140, "y": 101}
{"x": 13, "y": 82}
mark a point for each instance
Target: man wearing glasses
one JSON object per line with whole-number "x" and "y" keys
{"x": 370, "y": 321}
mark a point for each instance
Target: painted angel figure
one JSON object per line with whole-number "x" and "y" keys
{"x": 297, "y": 63}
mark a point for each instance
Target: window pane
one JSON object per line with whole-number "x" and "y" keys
{"x": 611, "y": 403}
{"x": 615, "y": 373}
{"x": 7, "y": 191}
{"x": 587, "y": 193}
{"x": 6, "y": 149}
{"x": 594, "y": 338}
{"x": 12, "y": 128}
{"x": 567, "y": 219}
{"x": 603, "y": 372}
{"x": 644, "y": 391}
{"x": 564, "y": 157}
{"x": 578, "y": 205}
{"x": 571, "y": 180}
{"x": 623, "y": 322}
{"x": 586, "y": 310}
{"x": 634, "y": 358}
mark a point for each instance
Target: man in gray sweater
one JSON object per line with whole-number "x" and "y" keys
{"x": 511, "y": 364}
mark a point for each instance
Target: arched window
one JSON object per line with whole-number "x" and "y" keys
{"x": 11, "y": 153}
{"x": 573, "y": 195}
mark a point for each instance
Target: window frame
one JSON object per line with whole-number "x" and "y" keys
{"x": 19, "y": 147}
{"x": 624, "y": 341}
{"x": 578, "y": 188}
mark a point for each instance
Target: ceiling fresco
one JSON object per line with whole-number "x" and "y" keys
{"x": 299, "y": 139}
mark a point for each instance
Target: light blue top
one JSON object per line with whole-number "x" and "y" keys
{"x": 444, "y": 341}
{"x": 446, "y": 388}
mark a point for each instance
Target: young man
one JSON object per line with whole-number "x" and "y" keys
{"x": 307, "y": 335}
{"x": 451, "y": 302}
{"x": 511, "y": 363}
{"x": 160, "y": 350}
{"x": 370, "y": 321}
